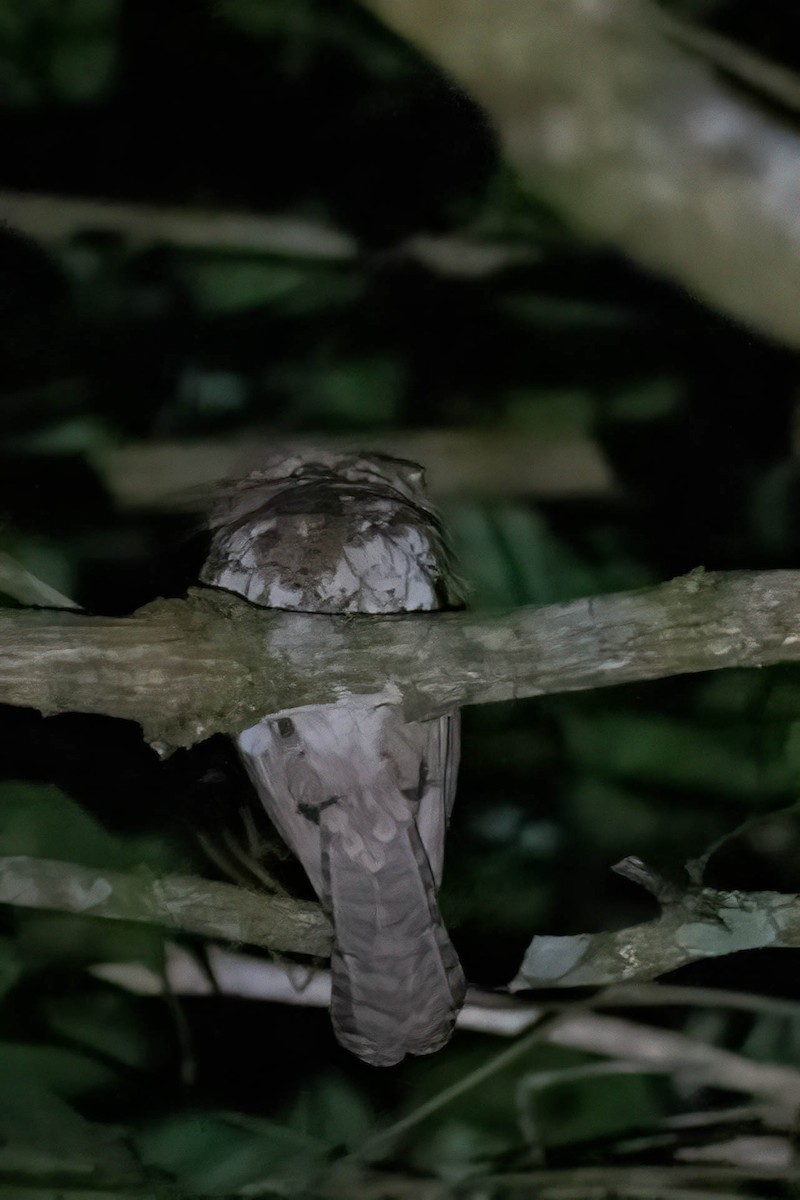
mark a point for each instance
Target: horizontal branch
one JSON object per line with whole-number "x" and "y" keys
{"x": 227, "y": 972}
{"x": 224, "y": 912}
{"x": 473, "y": 462}
{"x": 52, "y": 218}
{"x": 642, "y": 1045}
{"x": 185, "y": 669}
{"x": 180, "y": 903}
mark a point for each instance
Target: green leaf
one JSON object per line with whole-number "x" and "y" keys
{"x": 737, "y": 692}
{"x": 46, "y": 939}
{"x": 262, "y": 18}
{"x": 659, "y": 749}
{"x": 17, "y": 88}
{"x": 544, "y": 311}
{"x": 454, "y": 1150}
{"x": 82, "y": 67}
{"x": 212, "y": 1153}
{"x": 774, "y": 1039}
{"x": 89, "y": 14}
{"x": 75, "y": 435}
{"x": 791, "y": 749}
{"x": 652, "y": 400}
{"x": 594, "y": 1107}
{"x": 66, "y": 1073}
{"x": 222, "y": 284}
{"x": 615, "y": 821}
{"x": 40, "y": 821}
{"x": 359, "y": 392}
{"x": 307, "y": 28}
{"x": 509, "y": 555}
{"x": 104, "y": 1020}
{"x": 12, "y": 26}
{"x": 41, "y": 1135}
{"x": 229, "y": 286}
{"x": 11, "y": 968}
{"x": 331, "y": 1109}
{"x": 551, "y": 412}
{"x": 772, "y": 508}
{"x": 629, "y": 820}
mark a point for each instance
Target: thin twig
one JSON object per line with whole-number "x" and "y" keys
{"x": 52, "y": 218}
{"x": 774, "y": 81}
{"x": 649, "y": 1048}
{"x": 380, "y": 1141}
{"x": 634, "y": 1181}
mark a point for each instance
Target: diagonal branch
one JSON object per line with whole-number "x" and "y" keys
{"x": 185, "y": 669}
{"x": 634, "y": 139}
{"x": 695, "y": 923}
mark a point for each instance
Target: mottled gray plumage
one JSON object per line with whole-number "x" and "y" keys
{"x": 361, "y": 795}
{"x": 336, "y": 533}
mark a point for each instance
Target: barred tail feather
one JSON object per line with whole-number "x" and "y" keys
{"x": 362, "y": 798}
{"x": 397, "y": 982}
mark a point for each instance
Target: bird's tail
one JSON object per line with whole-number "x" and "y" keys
{"x": 397, "y": 982}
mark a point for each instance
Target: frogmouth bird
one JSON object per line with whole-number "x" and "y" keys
{"x": 360, "y": 794}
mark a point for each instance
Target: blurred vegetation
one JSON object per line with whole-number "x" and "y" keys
{"x": 311, "y": 109}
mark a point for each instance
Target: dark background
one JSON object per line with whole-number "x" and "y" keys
{"x": 309, "y": 108}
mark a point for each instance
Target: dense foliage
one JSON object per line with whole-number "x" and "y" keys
{"x": 309, "y": 108}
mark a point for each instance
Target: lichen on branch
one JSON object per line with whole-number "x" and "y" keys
{"x": 181, "y": 903}
{"x": 185, "y": 669}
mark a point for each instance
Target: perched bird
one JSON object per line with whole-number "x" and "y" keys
{"x": 361, "y": 795}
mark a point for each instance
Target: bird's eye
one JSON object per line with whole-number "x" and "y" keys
{"x": 285, "y": 727}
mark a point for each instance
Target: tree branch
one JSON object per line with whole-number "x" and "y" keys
{"x": 695, "y": 923}
{"x": 222, "y": 911}
{"x": 482, "y": 462}
{"x": 635, "y": 140}
{"x": 176, "y": 902}
{"x": 230, "y": 972}
{"x": 185, "y": 669}
{"x": 49, "y": 218}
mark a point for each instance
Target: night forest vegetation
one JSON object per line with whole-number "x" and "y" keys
{"x": 570, "y": 292}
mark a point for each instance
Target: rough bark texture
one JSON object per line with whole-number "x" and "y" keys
{"x": 157, "y": 666}
{"x": 695, "y": 923}
{"x": 180, "y": 902}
